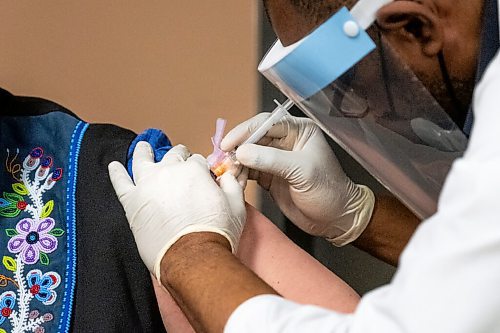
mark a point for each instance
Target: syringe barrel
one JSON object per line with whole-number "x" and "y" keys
{"x": 279, "y": 112}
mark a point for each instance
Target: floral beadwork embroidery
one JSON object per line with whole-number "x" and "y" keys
{"x": 42, "y": 285}
{"x": 7, "y": 302}
{"x": 31, "y": 242}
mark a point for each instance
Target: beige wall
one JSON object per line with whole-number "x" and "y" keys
{"x": 173, "y": 64}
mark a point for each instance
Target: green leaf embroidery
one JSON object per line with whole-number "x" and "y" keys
{"x": 11, "y": 232}
{"x": 44, "y": 258}
{"x": 20, "y": 189}
{"x": 47, "y": 209}
{"x": 58, "y": 232}
{"x": 12, "y": 197}
{"x": 2, "y": 330}
{"x": 9, "y": 211}
{"x": 9, "y": 263}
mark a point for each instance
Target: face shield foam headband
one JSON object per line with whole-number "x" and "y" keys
{"x": 348, "y": 79}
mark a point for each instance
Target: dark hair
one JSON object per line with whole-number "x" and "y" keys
{"x": 319, "y": 10}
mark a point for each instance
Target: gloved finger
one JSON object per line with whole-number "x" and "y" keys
{"x": 143, "y": 153}
{"x": 199, "y": 159}
{"x": 241, "y": 132}
{"x": 268, "y": 160}
{"x": 288, "y": 125}
{"x": 233, "y": 192}
{"x": 235, "y": 169}
{"x": 120, "y": 180}
{"x": 263, "y": 179}
{"x": 242, "y": 178}
{"x": 265, "y": 141}
{"x": 177, "y": 154}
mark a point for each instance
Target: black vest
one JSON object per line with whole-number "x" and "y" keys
{"x": 65, "y": 240}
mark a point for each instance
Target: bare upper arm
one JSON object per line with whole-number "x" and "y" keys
{"x": 283, "y": 265}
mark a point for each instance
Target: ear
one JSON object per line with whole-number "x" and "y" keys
{"x": 412, "y": 21}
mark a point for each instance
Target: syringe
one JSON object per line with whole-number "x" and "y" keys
{"x": 279, "y": 112}
{"x": 230, "y": 162}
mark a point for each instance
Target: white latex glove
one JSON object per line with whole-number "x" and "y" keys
{"x": 175, "y": 197}
{"x": 297, "y": 166}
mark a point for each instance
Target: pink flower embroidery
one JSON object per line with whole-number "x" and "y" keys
{"x": 33, "y": 237}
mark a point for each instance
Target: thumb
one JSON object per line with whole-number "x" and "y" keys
{"x": 241, "y": 132}
{"x": 233, "y": 192}
{"x": 120, "y": 179}
{"x": 143, "y": 154}
{"x": 266, "y": 159}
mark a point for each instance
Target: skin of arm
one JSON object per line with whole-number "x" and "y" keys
{"x": 207, "y": 281}
{"x": 389, "y": 230}
{"x": 288, "y": 269}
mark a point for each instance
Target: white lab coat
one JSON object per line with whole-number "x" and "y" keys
{"x": 448, "y": 280}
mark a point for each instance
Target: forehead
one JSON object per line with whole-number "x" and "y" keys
{"x": 294, "y": 19}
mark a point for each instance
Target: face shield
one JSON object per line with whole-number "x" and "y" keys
{"x": 348, "y": 79}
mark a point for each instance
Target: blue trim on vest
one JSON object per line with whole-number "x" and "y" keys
{"x": 70, "y": 279}
{"x": 157, "y": 139}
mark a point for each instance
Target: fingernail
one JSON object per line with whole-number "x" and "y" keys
{"x": 112, "y": 165}
{"x": 145, "y": 144}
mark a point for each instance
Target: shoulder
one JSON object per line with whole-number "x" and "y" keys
{"x": 102, "y": 143}
{"x": 107, "y": 142}
{"x": 12, "y": 105}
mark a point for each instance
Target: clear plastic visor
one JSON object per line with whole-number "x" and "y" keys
{"x": 384, "y": 117}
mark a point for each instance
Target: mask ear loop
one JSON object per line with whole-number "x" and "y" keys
{"x": 457, "y": 105}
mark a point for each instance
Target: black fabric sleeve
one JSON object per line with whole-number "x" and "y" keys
{"x": 114, "y": 292}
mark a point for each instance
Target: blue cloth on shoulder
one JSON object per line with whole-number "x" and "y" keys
{"x": 157, "y": 139}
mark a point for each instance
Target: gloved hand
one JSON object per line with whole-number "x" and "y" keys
{"x": 297, "y": 166}
{"x": 175, "y": 197}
